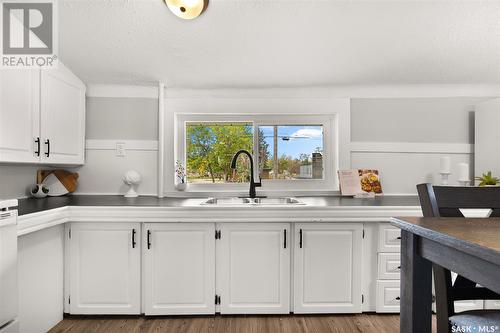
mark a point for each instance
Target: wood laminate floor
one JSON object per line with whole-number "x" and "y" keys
{"x": 362, "y": 323}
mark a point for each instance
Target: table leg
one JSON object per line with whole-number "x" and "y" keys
{"x": 416, "y": 287}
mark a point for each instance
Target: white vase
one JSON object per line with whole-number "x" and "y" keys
{"x": 131, "y": 193}
{"x": 181, "y": 186}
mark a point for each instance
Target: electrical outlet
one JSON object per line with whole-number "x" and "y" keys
{"x": 120, "y": 149}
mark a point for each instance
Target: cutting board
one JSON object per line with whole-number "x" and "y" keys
{"x": 68, "y": 179}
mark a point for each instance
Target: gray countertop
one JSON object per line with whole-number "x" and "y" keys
{"x": 31, "y": 205}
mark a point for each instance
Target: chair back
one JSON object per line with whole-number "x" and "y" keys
{"x": 446, "y": 201}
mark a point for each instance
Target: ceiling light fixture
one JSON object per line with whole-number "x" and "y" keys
{"x": 187, "y": 9}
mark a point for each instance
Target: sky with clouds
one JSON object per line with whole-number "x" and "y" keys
{"x": 303, "y": 139}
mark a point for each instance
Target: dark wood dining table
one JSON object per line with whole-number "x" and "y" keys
{"x": 467, "y": 246}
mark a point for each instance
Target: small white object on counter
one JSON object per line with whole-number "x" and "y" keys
{"x": 463, "y": 174}
{"x": 445, "y": 164}
{"x": 132, "y": 178}
{"x": 445, "y": 169}
{"x": 39, "y": 191}
{"x": 56, "y": 188}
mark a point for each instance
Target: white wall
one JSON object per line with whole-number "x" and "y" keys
{"x": 132, "y": 121}
{"x": 15, "y": 180}
{"x": 404, "y": 138}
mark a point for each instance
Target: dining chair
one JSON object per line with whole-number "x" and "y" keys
{"x": 447, "y": 201}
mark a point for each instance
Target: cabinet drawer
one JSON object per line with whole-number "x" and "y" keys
{"x": 388, "y": 293}
{"x": 389, "y": 238}
{"x": 389, "y": 266}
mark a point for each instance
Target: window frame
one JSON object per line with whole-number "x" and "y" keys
{"x": 331, "y": 148}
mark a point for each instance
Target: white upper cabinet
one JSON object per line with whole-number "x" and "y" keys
{"x": 328, "y": 267}
{"x": 42, "y": 116}
{"x": 105, "y": 268}
{"x": 179, "y": 268}
{"x": 253, "y": 268}
{"x": 19, "y": 116}
{"x": 62, "y": 102}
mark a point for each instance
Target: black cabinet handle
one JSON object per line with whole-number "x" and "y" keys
{"x": 37, "y": 141}
{"x": 399, "y": 267}
{"x": 398, "y": 238}
{"x": 133, "y": 238}
{"x": 149, "y": 239}
{"x": 284, "y": 241}
{"x": 398, "y": 298}
{"x": 47, "y": 142}
{"x": 300, "y": 238}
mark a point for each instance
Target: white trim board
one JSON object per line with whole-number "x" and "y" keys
{"x": 412, "y": 147}
{"x": 123, "y": 91}
{"x": 352, "y": 91}
{"x": 349, "y": 91}
{"x": 144, "y": 145}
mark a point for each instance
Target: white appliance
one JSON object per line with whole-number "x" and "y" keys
{"x": 8, "y": 267}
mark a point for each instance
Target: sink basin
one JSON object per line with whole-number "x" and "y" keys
{"x": 277, "y": 201}
{"x": 252, "y": 202}
{"x": 227, "y": 201}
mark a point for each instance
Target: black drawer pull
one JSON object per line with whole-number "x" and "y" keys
{"x": 300, "y": 238}
{"x": 37, "y": 141}
{"x": 133, "y": 238}
{"x": 284, "y": 241}
{"x": 398, "y": 298}
{"x": 47, "y": 142}
{"x": 149, "y": 239}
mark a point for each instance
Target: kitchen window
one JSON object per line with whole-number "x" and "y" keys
{"x": 210, "y": 146}
{"x": 291, "y": 152}
{"x": 286, "y": 152}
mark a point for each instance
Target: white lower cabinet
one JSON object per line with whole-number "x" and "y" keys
{"x": 388, "y": 269}
{"x": 179, "y": 268}
{"x": 104, "y": 268}
{"x": 203, "y": 268}
{"x": 253, "y": 268}
{"x": 388, "y": 296}
{"x": 327, "y": 267}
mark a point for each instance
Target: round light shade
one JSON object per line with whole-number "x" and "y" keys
{"x": 187, "y": 9}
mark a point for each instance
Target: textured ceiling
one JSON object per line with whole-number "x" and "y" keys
{"x": 285, "y": 43}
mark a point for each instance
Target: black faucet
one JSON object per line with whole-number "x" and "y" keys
{"x": 253, "y": 184}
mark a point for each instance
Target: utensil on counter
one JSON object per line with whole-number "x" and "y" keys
{"x": 39, "y": 191}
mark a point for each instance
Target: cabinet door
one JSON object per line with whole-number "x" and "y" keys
{"x": 328, "y": 267}
{"x": 105, "y": 268}
{"x": 62, "y": 117}
{"x": 179, "y": 268}
{"x": 253, "y": 268}
{"x": 19, "y": 115}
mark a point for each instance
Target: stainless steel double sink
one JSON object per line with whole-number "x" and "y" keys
{"x": 282, "y": 201}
